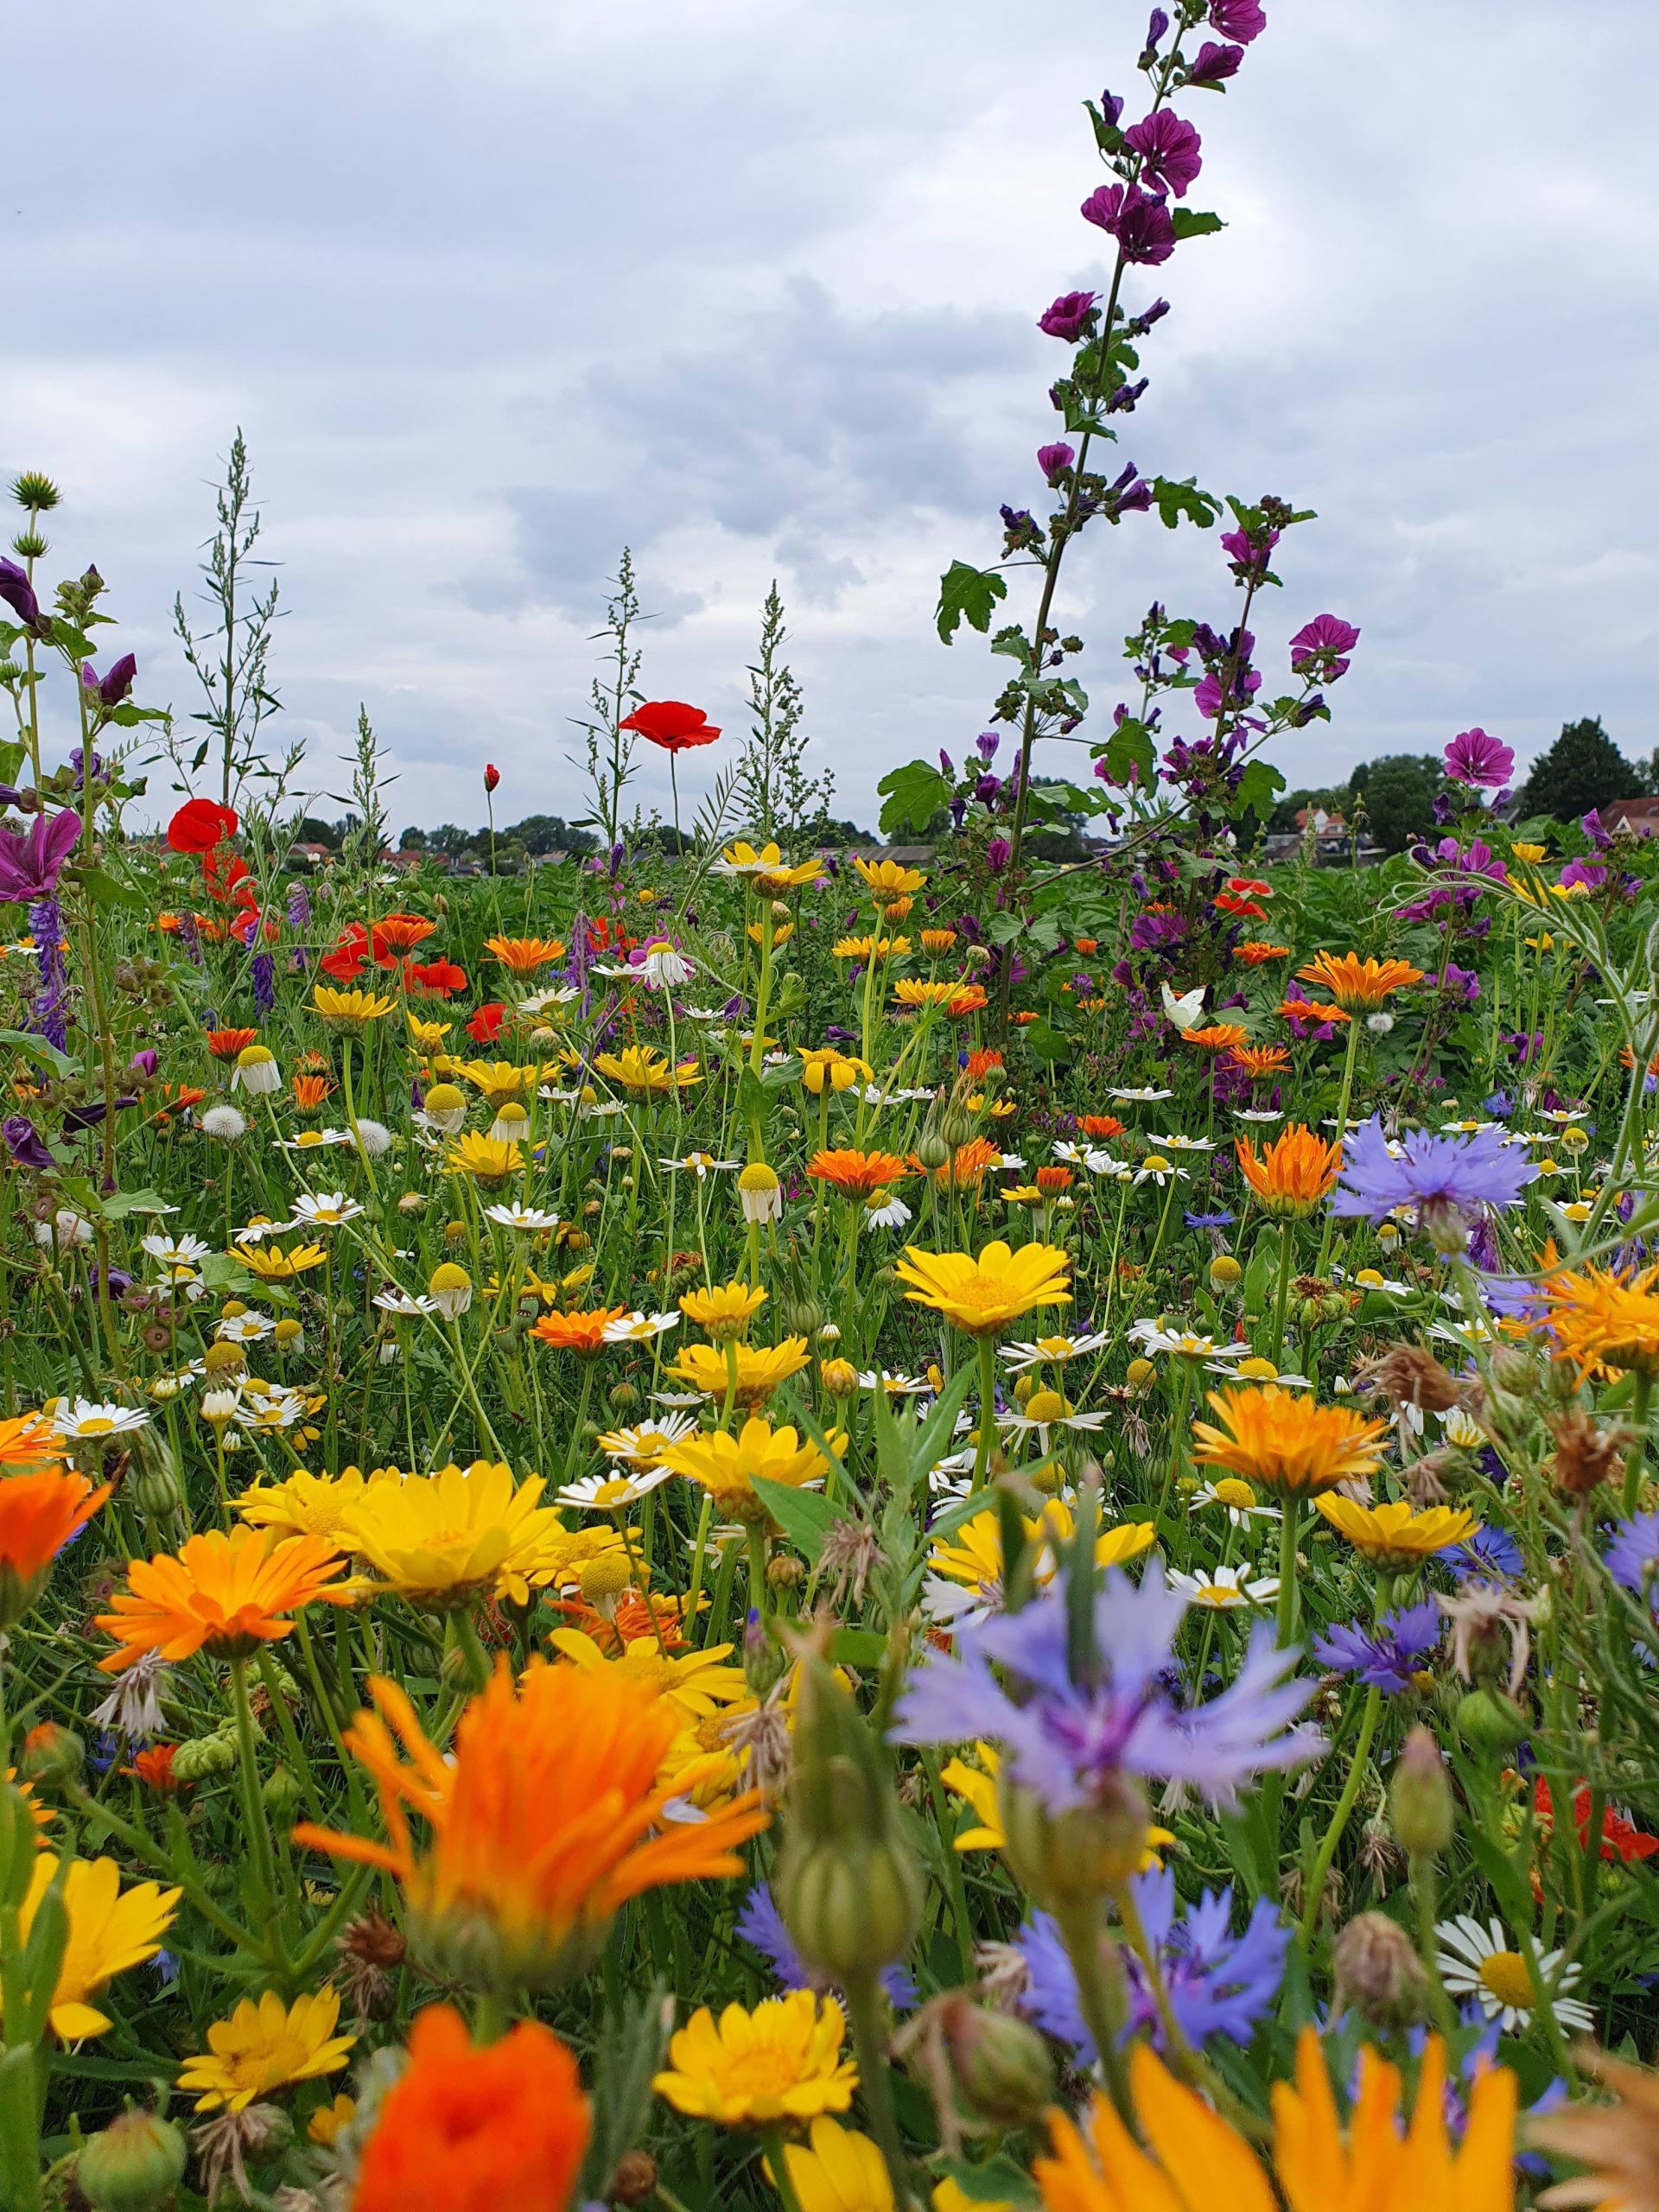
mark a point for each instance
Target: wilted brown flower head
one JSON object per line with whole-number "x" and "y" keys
{"x": 1618, "y": 2143}
{"x": 1585, "y": 1455}
{"x": 1407, "y": 1375}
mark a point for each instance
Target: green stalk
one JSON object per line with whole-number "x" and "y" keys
{"x": 1339, "y": 1817}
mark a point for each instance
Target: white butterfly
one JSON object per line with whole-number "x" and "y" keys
{"x": 1186, "y": 1011}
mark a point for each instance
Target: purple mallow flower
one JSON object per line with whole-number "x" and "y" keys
{"x": 1214, "y": 65}
{"x": 1169, "y": 151}
{"x": 1216, "y": 1983}
{"x": 1067, "y": 317}
{"x": 25, "y": 1144}
{"x": 1386, "y": 1656}
{"x": 1448, "y": 1181}
{"x": 1055, "y": 462}
{"x": 1068, "y": 1741}
{"x": 1484, "y": 763}
{"x": 1319, "y": 647}
{"x": 30, "y": 861}
{"x": 18, "y": 593}
{"x": 1243, "y": 20}
{"x": 1138, "y": 220}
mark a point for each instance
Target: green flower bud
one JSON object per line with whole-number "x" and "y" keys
{"x": 1073, "y": 1858}
{"x": 931, "y": 1149}
{"x": 280, "y": 1792}
{"x": 133, "y": 2166}
{"x": 1379, "y": 1974}
{"x": 204, "y": 1756}
{"x": 1421, "y": 1808}
{"x": 52, "y": 1754}
{"x": 1488, "y": 1720}
{"x": 1000, "y": 2065}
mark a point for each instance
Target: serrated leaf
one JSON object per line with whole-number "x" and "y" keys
{"x": 1178, "y": 496}
{"x": 968, "y": 594}
{"x": 912, "y": 796}
{"x": 36, "y": 1049}
{"x": 1194, "y": 223}
{"x": 1258, "y": 787}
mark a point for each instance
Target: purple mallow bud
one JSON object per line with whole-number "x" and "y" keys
{"x": 1068, "y": 317}
{"x": 1214, "y": 65}
{"x": 1055, "y": 462}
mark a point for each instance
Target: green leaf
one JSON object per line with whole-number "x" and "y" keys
{"x": 1192, "y": 223}
{"x": 122, "y": 1203}
{"x": 1045, "y": 1042}
{"x": 861, "y": 1647}
{"x": 107, "y": 891}
{"x": 1258, "y": 787}
{"x": 36, "y": 1049}
{"x": 999, "y": 2181}
{"x": 1180, "y": 496}
{"x": 1012, "y": 641}
{"x": 1129, "y": 746}
{"x": 912, "y": 796}
{"x": 967, "y": 593}
{"x": 803, "y": 1515}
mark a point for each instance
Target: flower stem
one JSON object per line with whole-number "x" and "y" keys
{"x": 864, "y": 2006}
{"x": 1333, "y": 1837}
{"x": 1101, "y": 1993}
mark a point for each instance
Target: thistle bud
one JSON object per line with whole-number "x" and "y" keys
{"x": 1420, "y": 1805}
{"x": 1379, "y": 1974}
{"x": 132, "y": 2165}
{"x": 1000, "y": 2066}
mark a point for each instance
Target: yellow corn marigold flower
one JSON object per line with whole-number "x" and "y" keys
{"x": 109, "y": 1930}
{"x": 1358, "y": 985}
{"x": 499, "y": 1079}
{"x": 581, "y": 1333}
{"x": 724, "y": 1464}
{"x": 272, "y": 1264}
{"x": 325, "y": 2124}
{"x": 982, "y": 1295}
{"x": 976, "y": 1787}
{"x": 223, "y": 1594}
{"x": 1529, "y": 856}
{"x": 311, "y": 1505}
{"x": 1393, "y": 1535}
{"x": 1291, "y": 1176}
{"x": 39, "y": 1513}
{"x": 889, "y": 879}
{"x": 547, "y": 1818}
{"x": 767, "y": 873}
{"x": 871, "y": 948}
{"x": 1285, "y": 1442}
{"x": 725, "y": 1311}
{"x": 972, "y": 1553}
{"x": 1605, "y": 1319}
{"x": 921, "y": 991}
{"x": 842, "y": 2172}
{"x": 759, "y": 1370}
{"x": 856, "y": 1175}
{"x": 349, "y": 1009}
{"x": 644, "y": 1073}
{"x": 488, "y": 1160}
{"x": 823, "y": 1068}
{"x": 426, "y": 1036}
{"x": 697, "y": 1684}
{"x": 265, "y": 2046}
{"x": 1193, "y": 2158}
{"x": 443, "y": 1539}
{"x": 780, "y": 2062}
{"x": 523, "y": 955}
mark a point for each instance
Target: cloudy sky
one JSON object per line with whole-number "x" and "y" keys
{"x": 495, "y": 290}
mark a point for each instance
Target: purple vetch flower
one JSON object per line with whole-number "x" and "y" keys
{"x": 1243, "y": 20}
{"x": 1385, "y": 1657}
{"x": 1055, "y": 462}
{"x": 299, "y": 908}
{"x": 1215, "y": 1983}
{"x": 1214, "y": 65}
{"x": 50, "y": 1012}
{"x": 1632, "y": 1557}
{"x": 26, "y": 1145}
{"x": 1138, "y": 220}
{"x": 1319, "y": 647}
{"x": 761, "y": 1926}
{"x": 18, "y": 593}
{"x": 1068, "y": 317}
{"x": 1070, "y": 1742}
{"x": 262, "y": 972}
{"x": 1480, "y": 761}
{"x": 1447, "y": 1180}
{"x": 30, "y": 861}
{"x": 1168, "y": 148}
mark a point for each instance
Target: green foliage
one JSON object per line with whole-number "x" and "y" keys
{"x": 967, "y": 594}
{"x": 1583, "y": 769}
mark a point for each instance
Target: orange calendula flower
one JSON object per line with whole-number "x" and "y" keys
{"x": 28, "y": 1443}
{"x": 547, "y": 1818}
{"x": 1313, "y": 1010}
{"x": 980, "y": 1062}
{"x": 938, "y": 942}
{"x": 1605, "y": 1319}
{"x": 523, "y": 955}
{"x": 1100, "y": 1125}
{"x": 1256, "y": 952}
{"x": 1292, "y": 1175}
{"x": 221, "y": 1594}
{"x": 583, "y": 1333}
{"x": 396, "y": 934}
{"x": 856, "y": 1175}
{"x": 1356, "y": 985}
{"x": 39, "y": 1513}
{"x": 153, "y": 1766}
{"x": 225, "y": 1044}
{"x": 310, "y": 1093}
{"x": 967, "y": 1165}
{"x": 1218, "y": 1037}
{"x": 1259, "y": 1061}
{"x": 1284, "y": 1441}
{"x": 466, "y": 2128}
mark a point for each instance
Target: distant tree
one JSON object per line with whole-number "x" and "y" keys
{"x": 1583, "y": 769}
{"x": 549, "y": 833}
{"x": 313, "y": 832}
{"x": 450, "y": 841}
{"x": 411, "y": 840}
{"x": 1059, "y": 837}
{"x": 835, "y": 836}
{"x": 1398, "y": 792}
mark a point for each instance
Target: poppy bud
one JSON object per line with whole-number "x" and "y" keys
{"x": 492, "y": 776}
{"x": 1420, "y": 1805}
{"x": 132, "y": 2165}
{"x": 1379, "y": 1974}
{"x": 1000, "y": 2065}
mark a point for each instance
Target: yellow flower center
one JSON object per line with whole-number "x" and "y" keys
{"x": 764, "y": 2072}
{"x": 615, "y": 1492}
{"x": 1506, "y": 1975}
{"x": 1046, "y": 1406}
{"x": 1155, "y": 1164}
{"x": 307, "y": 1137}
{"x": 95, "y": 1425}
{"x": 1234, "y": 1490}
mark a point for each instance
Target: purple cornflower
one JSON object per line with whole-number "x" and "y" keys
{"x": 1055, "y": 462}
{"x": 1222, "y": 1220}
{"x": 1447, "y": 1180}
{"x": 1138, "y": 220}
{"x": 761, "y": 1926}
{"x": 1067, "y": 1741}
{"x": 1216, "y": 1983}
{"x": 1068, "y": 315}
{"x": 30, "y": 861}
{"x": 1632, "y": 1557}
{"x": 1214, "y": 65}
{"x": 1169, "y": 151}
{"x": 1243, "y": 20}
{"x": 1484, "y": 763}
{"x": 1386, "y": 1656}
{"x": 1320, "y": 647}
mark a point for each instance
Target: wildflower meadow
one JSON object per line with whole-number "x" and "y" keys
{"x": 740, "y": 1517}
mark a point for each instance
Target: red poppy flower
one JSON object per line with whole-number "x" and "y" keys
{"x": 351, "y": 951}
{"x": 492, "y": 775}
{"x": 223, "y": 871}
{"x": 1619, "y": 1839}
{"x": 1250, "y": 886}
{"x": 671, "y": 724}
{"x": 199, "y": 825}
{"x": 1229, "y": 902}
{"x": 485, "y": 1026}
{"x": 434, "y": 979}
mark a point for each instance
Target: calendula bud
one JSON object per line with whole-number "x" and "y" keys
{"x": 1421, "y": 1808}
{"x": 931, "y": 1149}
{"x": 1000, "y": 2066}
{"x": 53, "y": 1755}
{"x": 134, "y": 2165}
{"x": 1379, "y": 1974}
{"x": 839, "y": 1377}
{"x": 955, "y": 1130}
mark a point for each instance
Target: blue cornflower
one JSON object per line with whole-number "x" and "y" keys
{"x": 1632, "y": 1557}
{"x": 1222, "y": 1220}
{"x": 1067, "y": 1740}
{"x": 1216, "y": 1983}
{"x": 1490, "y": 1553}
{"x": 761, "y": 1925}
{"x": 1386, "y": 1656}
{"x": 1447, "y": 1180}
